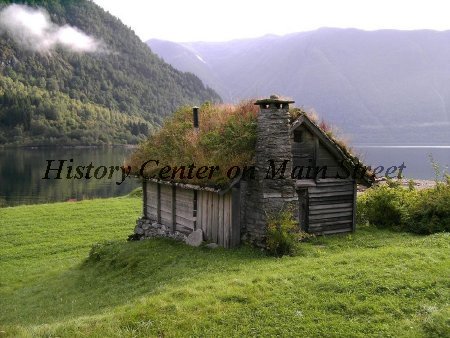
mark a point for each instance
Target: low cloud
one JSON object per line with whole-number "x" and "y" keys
{"x": 33, "y": 29}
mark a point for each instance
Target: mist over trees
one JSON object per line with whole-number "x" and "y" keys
{"x": 116, "y": 95}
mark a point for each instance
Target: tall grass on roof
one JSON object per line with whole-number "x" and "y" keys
{"x": 226, "y": 137}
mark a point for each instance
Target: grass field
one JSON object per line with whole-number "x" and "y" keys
{"x": 371, "y": 283}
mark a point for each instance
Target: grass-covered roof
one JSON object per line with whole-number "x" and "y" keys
{"x": 226, "y": 137}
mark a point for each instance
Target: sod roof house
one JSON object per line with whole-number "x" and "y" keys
{"x": 223, "y": 180}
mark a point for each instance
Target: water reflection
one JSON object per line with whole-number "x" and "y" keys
{"x": 22, "y": 170}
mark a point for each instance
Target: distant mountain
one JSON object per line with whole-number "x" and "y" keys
{"x": 71, "y": 73}
{"x": 379, "y": 87}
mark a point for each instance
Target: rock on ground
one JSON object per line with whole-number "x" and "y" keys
{"x": 195, "y": 238}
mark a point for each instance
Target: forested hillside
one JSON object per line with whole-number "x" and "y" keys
{"x": 116, "y": 93}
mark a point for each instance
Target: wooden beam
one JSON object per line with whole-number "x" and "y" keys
{"x": 348, "y": 188}
{"x": 215, "y": 218}
{"x": 337, "y": 215}
{"x": 221, "y": 227}
{"x": 330, "y": 210}
{"x": 199, "y": 219}
{"x": 195, "y": 209}
{"x": 158, "y": 203}
{"x": 330, "y": 206}
{"x": 226, "y": 220}
{"x": 328, "y": 223}
{"x": 208, "y": 214}
{"x": 185, "y": 185}
{"x": 315, "y": 153}
{"x": 331, "y": 194}
{"x": 355, "y": 186}
{"x": 144, "y": 195}
{"x": 303, "y": 208}
{"x": 235, "y": 217}
{"x": 174, "y": 208}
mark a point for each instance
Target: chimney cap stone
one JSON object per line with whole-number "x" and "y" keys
{"x": 273, "y": 99}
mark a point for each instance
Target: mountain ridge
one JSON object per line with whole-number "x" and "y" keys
{"x": 374, "y": 85}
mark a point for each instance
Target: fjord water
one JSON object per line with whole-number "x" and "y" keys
{"x": 417, "y": 159}
{"x": 22, "y": 170}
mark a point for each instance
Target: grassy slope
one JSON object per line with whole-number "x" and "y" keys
{"x": 372, "y": 283}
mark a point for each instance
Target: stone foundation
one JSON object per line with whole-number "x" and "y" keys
{"x": 146, "y": 228}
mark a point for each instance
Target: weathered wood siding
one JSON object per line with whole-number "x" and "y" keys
{"x": 328, "y": 160}
{"x": 331, "y": 207}
{"x": 166, "y": 205}
{"x": 219, "y": 216}
{"x": 303, "y": 148}
{"x": 151, "y": 202}
{"x": 308, "y": 150}
{"x": 185, "y": 220}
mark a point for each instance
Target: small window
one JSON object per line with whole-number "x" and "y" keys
{"x": 298, "y": 136}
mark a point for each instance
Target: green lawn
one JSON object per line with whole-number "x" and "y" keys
{"x": 371, "y": 283}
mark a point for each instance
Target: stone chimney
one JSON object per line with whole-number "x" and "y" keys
{"x": 268, "y": 195}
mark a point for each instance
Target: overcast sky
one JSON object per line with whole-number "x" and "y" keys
{"x": 203, "y": 20}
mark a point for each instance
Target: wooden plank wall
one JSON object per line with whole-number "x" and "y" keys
{"x": 325, "y": 158}
{"x": 214, "y": 214}
{"x": 303, "y": 152}
{"x": 331, "y": 207}
{"x": 152, "y": 198}
{"x": 166, "y": 205}
{"x": 184, "y": 202}
{"x": 215, "y": 218}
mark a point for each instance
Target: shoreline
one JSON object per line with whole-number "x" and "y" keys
{"x": 356, "y": 146}
{"x": 401, "y": 146}
{"x": 419, "y": 184}
{"x": 55, "y": 146}
{"x": 404, "y": 182}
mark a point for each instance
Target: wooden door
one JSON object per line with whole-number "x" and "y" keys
{"x": 303, "y": 208}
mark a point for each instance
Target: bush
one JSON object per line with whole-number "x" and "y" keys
{"x": 419, "y": 211}
{"x": 98, "y": 251}
{"x": 430, "y": 212}
{"x": 383, "y": 206}
{"x": 282, "y": 234}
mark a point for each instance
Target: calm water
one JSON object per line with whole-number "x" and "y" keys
{"x": 416, "y": 158}
{"x": 22, "y": 170}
